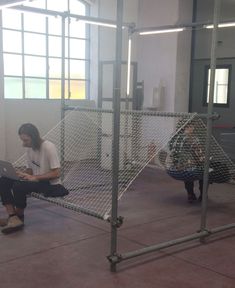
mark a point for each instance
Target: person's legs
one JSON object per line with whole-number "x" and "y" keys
{"x": 7, "y": 197}
{"x": 20, "y": 191}
{"x": 10, "y": 211}
{"x": 6, "y": 193}
{"x": 189, "y": 186}
{"x": 12, "y": 223}
{"x": 201, "y": 185}
{"x": 200, "y": 189}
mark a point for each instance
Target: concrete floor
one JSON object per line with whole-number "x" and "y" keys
{"x": 64, "y": 249}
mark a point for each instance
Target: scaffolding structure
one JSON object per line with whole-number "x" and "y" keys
{"x": 115, "y": 257}
{"x": 115, "y": 220}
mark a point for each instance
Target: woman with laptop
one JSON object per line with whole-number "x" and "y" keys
{"x": 42, "y": 176}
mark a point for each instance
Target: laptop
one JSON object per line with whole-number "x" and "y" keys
{"x": 8, "y": 171}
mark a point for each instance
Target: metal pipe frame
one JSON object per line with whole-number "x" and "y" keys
{"x": 202, "y": 234}
{"x": 214, "y": 116}
{"x": 62, "y": 115}
{"x": 114, "y": 257}
{"x": 116, "y": 132}
{"x": 71, "y": 15}
{"x": 217, "y": 7}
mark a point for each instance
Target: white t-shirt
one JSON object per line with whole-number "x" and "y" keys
{"x": 43, "y": 160}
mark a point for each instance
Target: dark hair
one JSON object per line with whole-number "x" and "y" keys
{"x": 31, "y": 131}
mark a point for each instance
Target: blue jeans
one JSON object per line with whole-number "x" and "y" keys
{"x": 190, "y": 174}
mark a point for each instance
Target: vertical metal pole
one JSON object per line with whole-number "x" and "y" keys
{"x": 116, "y": 132}
{"x": 209, "y": 113}
{"x": 193, "y": 46}
{"x": 62, "y": 127}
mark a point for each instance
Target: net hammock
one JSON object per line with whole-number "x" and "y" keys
{"x": 84, "y": 142}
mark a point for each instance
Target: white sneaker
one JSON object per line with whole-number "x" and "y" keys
{"x": 13, "y": 224}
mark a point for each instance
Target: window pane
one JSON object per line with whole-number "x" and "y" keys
{"x": 77, "y": 7}
{"x": 221, "y": 96}
{"x": 35, "y": 66}
{"x": 77, "y": 28}
{"x": 77, "y": 69}
{"x": 54, "y": 68}
{"x": 77, "y": 89}
{"x": 34, "y": 22}
{"x": 12, "y": 64}
{"x": 36, "y": 4}
{"x": 54, "y": 25}
{"x": 35, "y": 44}
{"x": 54, "y": 89}
{"x": 12, "y": 41}
{"x": 77, "y": 49}
{"x": 13, "y": 88}
{"x": 61, "y": 5}
{"x": 11, "y": 19}
{"x": 220, "y": 86}
{"x": 35, "y": 88}
{"x": 55, "y": 44}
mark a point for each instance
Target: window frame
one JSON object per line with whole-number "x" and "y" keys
{"x": 85, "y": 81}
{"x": 206, "y": 74}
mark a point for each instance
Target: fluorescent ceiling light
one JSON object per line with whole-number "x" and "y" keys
{"x": 12, "y": 4}
{"x": 128, "y": 68}
{"x": 223, "y": 25}
{"x": 162, "y": 31}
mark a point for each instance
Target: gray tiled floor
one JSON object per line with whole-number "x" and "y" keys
{"x": 60, "y": 248}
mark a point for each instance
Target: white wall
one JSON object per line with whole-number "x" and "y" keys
{"x": 107, "y": 36}
{"x": 183, "y": 59}
{"x": 158, "y": 58}
{"x": 45, "y": 114}
{"x": 160, "y": 62}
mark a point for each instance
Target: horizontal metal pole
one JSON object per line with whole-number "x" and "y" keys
{"x": 95, "y": 19}
{"x": 120, "y": 257}
{"x": 38, "y": 10}
{"x": 85, "y": 109}
{"x": 143, "y": 112}
{"x": 222, "y": 228}
{"x": 67, "y": 14}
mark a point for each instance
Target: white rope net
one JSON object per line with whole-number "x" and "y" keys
{"x": 84, "y": 142}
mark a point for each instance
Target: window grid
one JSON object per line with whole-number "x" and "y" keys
{"x": 221, "y": 85}
{"x": 28, "y": 78}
